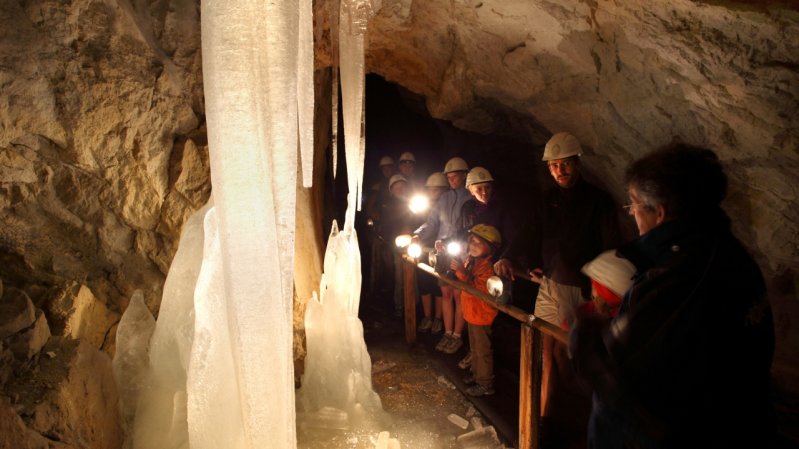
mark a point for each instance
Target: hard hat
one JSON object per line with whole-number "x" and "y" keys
{"x": 407, "y": 156}
{"x": 478, "y": 175}
{"x": 455, "y": 164}
{"x": 488, "y": 233}
{"x": 395, "y": 179}
{"x": 386, "y": 160}
{"x": 561, "y": 146}
{"x": 612, "y": 271}
{"x": 437, "y": 179}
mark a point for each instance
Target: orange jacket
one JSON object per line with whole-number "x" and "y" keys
{"x": 475, "y": 311}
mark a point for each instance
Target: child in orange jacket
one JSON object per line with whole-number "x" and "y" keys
{"x": 478, "y": 267}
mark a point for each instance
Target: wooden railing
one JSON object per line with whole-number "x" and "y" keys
{"x": 532, "y": 329}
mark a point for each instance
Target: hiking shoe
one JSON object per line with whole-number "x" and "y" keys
{"x": 443, "y": 343}
{"x": 437, "y": 326}
{"x": 480, "y": 390}
{"x": 426, "y": 324}
{"x": 466, "y": 362}
{"x": 469, "y": 379}
{"x": 455, "y": 343}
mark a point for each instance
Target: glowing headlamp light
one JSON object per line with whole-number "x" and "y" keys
{"x": 454, "y": 248}
{"x": 402, "y": 240}
{"x": 419, "y": 203}
{"x": 415, "y": 250}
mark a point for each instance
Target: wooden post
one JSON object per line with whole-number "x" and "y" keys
{"x": 530, "y": 388}
{"x": 409, "y": 293}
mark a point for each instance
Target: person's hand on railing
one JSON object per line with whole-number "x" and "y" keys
{"x": 536, "y": 275}
{"x": 504, "y": 268}
{"x": 456, "y": 266}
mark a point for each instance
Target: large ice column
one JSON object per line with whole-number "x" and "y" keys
{"x": 250, "y": 51}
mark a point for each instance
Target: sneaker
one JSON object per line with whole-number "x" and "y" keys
{"x": 480, "y": 390}
{"x": 426, "y": 324}
{"x": 455, "y": 343}
{"x": 466, "y": 362}
{"x": 443, "y": 343}
{"x": 437, "y": 326}
{"x": 469, "y": 379}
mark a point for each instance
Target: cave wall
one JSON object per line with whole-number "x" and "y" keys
{"x": 103, "y": 152}
{"x": 626, "y": 77}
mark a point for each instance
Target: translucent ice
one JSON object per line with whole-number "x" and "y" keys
{"x": 250, "y": 60}
{"x": 458, "y": 421}
{"x": 161, "y": 413}
{"x": 131, "y": 358}
{"x": 337, "y": 365}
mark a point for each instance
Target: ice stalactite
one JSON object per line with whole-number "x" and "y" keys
{"x": 221, "y": 363}
{"x": 336, "y": 390}
{"x": 250, "y": 61}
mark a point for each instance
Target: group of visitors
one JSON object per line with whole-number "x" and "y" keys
{"x": 671, "y": 331}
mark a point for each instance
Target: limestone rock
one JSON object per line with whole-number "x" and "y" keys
{"x": 28, "y": 342}
{"x": 76, "y": 313}
{"x": 16, "y": 312}
{"x": 70, "y": 397}
{"x": 14, "y": 434}
{"x": 94, "y": 96}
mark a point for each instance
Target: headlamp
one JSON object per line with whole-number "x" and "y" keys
{"x": 403, "y": 240}
{"x": 415, "y": 250}
{"x": 454, "y": 248}
{"x": 419, "y": 203}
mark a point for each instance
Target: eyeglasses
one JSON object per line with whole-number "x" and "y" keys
{"x": 630, "y": 208}
{"x": 407, "y": 162}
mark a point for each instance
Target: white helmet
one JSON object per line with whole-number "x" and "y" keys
{"x": 407, "y": 156}
{"x": 455, "y": 164}
{"x": 614, "y": 272}
{"x": 561, "y": 146}
{"x": 478, "y": 175}
{"x": 437, "y": 179}
{"x": 395, "y": 179}
{"x": 386, "y": 160}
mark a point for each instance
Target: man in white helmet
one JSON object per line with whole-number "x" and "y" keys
{"x": 441, "y": 225}
{"x": 574, "y": 223}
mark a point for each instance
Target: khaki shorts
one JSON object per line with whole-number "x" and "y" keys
{"x": 556, "y": 303}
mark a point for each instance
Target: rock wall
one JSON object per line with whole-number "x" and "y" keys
{"x": 626, "y": 77}
{"x": 102, "y": 152}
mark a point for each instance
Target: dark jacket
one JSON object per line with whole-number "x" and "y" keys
{"x": 686, "y": 363}
{"x": 568, "y": 228}
{"x": 495, "y": 214}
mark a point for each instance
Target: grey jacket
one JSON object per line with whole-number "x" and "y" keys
{"x": 444, "y": 218}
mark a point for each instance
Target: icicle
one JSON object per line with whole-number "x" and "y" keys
{"x": 305, "y": 90}
{"x": 335, "y": 16}
{"x": 355, "y": 15}
{"x": 337, "y": 386}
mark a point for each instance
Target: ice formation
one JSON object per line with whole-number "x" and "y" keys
{"x": 131, "y": 356}
{"x": 336, "y": 390}
{"x": 336, "y": 387}
{"x": 220, "y": 370}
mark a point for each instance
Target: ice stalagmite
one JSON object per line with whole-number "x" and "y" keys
{"x": 337, "y": 385}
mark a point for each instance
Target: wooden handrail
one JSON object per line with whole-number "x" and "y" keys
{"x": 517, "y": 313}
{"x": 531, "y": 354}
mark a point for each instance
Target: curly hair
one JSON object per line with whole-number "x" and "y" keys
{"x": 686, "y": 180}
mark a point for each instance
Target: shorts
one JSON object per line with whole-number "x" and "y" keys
{"x": 556, "y": 303}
